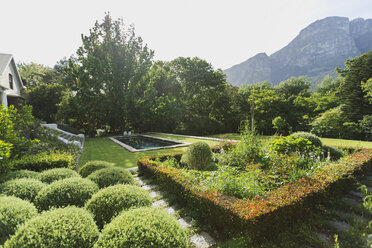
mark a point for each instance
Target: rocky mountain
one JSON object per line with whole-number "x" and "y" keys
{"x": 315, "y": 52}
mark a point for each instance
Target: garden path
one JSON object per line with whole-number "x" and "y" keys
{"x": 198, "y": 240}
{"x": 347, "y": 215}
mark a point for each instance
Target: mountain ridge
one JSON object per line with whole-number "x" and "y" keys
{"x": 315, "y": 52}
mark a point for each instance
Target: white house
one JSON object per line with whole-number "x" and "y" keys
{"x": 10, "y": 81}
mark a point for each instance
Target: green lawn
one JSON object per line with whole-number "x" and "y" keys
{"x": 234, "y": 136}
{"x": 344, "y": 142}
{"x": 101, "y": 148}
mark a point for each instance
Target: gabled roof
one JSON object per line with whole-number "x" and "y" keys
{"x": 5, "y": 60}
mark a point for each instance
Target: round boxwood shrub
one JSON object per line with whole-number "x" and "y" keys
{"x": 315, "y": 140}
{"x": 49, "y": 176}
{"x": 24, "y": 188}
{"x": 116, "y": 198}
{"x": 62, "y": 227}
{"x": 334, "y": 153}
{"x": 197, "y": 156}
{"x": 13, "y": 211}
{"x": 143, "y": 227}
{"x": 91, "y": 166}
{"x": 21, "y": 174}
{"x": 71, "y": 191}
{"x": 111, "y": 176}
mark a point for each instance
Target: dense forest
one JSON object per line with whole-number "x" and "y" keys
{"x": 113, "y": 83}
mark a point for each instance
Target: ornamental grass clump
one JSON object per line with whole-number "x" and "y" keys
{"x": 91, "y": 166}
{"x": 49, "y": 176}
{"x": 24, "y": 188}
{"x": 13, "y": 211}
{"x": 198, "y": 156}
{"x": 143, "y": 228}
{"x": 64, "y": 227}
{"x": 111, "y": 176}
{"x": 116, "y": 199}
{"x": 71, "y": 191}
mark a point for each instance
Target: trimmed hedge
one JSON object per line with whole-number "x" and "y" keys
{"x": 197, "y": 156}
{"x": 24, "y": 188}
{"x": 20, "y": 174}
{"x": 70, "y": 191}
{"x": 262, "y": 214}
{"x": 315, "y": 140}
{"x": 334, "y": 153}
{"x": 111, "y": 176}
{"x": 143, "y": 228}
{"x": 63, "y": 227}
{"x": 91, "y": 166}
{"x": 44, "y": 161}
{"x": 116, "y": 198}
{"x": 13, "y": 211}
{"x": 51, "y": 175}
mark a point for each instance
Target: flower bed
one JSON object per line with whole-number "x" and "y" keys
{"x": 271, "y": 212}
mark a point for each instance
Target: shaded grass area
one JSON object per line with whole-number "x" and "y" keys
{"x": 101, "y": 148}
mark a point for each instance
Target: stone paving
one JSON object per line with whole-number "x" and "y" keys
{"x": 199, "y": 240}
{"x": 345, "y": 216}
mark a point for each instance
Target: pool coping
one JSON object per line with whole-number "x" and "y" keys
{"x": 131, "y": 149}
{"x": 195, "y": 137}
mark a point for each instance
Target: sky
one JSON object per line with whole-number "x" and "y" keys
{"x": 223, "y": 32}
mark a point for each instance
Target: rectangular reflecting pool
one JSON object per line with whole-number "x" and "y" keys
{"x": 137, "y": 143}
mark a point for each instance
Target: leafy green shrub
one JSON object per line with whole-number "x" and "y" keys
{"x": 334, "y": 153}
{"x": 70, "y": 191}
{"x": 289, "y": 144}
{"x": 91, "y": 166}
{"x": 24, "y": 188}
{"x": 111, "y": 176}
{"x": 13, "y": 211}
{"x": 197, "y": 156}
{"x": 43, "y": 161}
{"x": 16, "y": 127}
{"x": 20, "y": 174}
{"x": 62, "y": 227}
{"x": 116, "y": 198}
{"x": 143, "y": 227}
{"x": 315, "y": 140}
{"x": 49, "y": 176}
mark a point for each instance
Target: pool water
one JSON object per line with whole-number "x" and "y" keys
{"x": 140, "y": 142}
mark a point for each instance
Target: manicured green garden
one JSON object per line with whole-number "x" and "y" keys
{"x": 255, "y": 188}
{"x": 101, "y": 148}
{"x": 46, "y": 202}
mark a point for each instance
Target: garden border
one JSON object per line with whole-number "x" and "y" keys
{"x": 259, "y": 215}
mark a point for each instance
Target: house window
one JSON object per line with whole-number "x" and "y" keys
{"x": 10, "y": 81}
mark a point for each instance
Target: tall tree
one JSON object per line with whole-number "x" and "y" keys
{"x": 108, "y": 74}
{"x": 357, "y": 70}
{"x": 204, "y": 95}
{"x": 44, "y": 90}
